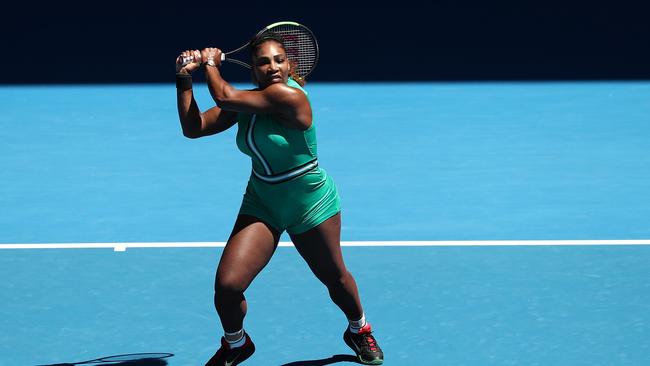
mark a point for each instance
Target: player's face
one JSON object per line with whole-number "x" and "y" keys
{"x": 270, "y": 64}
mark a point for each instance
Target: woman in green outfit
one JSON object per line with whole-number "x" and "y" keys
{"x": 287, "y": 190}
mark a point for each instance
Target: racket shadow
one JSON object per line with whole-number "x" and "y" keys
{"x": 324, "y": 361}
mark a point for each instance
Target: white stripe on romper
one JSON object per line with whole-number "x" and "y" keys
{"x": 251, "y": 145}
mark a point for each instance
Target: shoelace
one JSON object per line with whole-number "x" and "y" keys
{"x": 370, "y": 341}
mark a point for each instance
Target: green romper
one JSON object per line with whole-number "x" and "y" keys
{"x": 287, "y": 189}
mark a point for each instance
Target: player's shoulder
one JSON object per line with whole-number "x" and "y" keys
{"x": 280, "y": 88}
{"x": 285, "y": 92}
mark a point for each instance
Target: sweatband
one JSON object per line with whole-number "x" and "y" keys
{"x": 183, "y": 81}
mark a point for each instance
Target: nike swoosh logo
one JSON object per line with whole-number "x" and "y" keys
{"x": 230, "y": 363}
{"x": 358, "y": 349}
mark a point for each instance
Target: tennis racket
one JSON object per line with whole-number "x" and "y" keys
{"x": 131, "y": 357}
{"x": 300, "y": 43}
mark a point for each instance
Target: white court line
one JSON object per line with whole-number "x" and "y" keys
{"x": 120, "y": 247}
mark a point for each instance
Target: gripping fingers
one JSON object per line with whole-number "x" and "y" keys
{"x": 212, "y": 56}
{"x": 192, "y": 57}
{"x": 188, "y": 60}
{"x": 195, "y": 56}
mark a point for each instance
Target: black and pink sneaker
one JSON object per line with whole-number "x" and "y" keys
{"x": 364, "y": 345}
{"x": 226, "y": 356}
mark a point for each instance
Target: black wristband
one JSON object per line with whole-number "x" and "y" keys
{"x": 183, "y": 81}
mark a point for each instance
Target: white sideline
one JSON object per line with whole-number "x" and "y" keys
{"x": 120, "y": 247}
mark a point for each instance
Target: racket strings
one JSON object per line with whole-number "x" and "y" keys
{"x": 301, "y": 47}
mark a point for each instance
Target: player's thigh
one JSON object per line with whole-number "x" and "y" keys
{"x": 248, "y": 250}
{"x": 321, "y": 249}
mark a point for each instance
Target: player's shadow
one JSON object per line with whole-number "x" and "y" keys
{"x": 142, "y": 362}
{"x": 153, "y": 362}
{"x": 324, "y": 361}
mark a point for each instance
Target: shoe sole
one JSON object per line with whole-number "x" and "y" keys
{"x": 375, "y": 362}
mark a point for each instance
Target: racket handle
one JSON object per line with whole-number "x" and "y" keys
{"x": 190, "y": 59}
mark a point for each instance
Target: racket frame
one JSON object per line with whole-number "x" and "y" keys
{"x": 224, "y": 56}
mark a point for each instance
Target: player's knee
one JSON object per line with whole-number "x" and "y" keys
{"x": 228, "y": 285}
{"x": 337, "y": 280}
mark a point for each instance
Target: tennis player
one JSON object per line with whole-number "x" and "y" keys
{"x": 287, "y": 190}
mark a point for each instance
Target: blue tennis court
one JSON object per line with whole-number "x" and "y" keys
{"x": 459, "y": 163}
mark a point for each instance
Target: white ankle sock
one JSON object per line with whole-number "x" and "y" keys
{"x": 236, "y": 339}
{"x": 356, "y": 325}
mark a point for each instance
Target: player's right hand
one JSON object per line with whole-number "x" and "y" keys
{"x": 195, "y": 63}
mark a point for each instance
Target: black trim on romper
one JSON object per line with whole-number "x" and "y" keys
{"x": 255, "y": 174}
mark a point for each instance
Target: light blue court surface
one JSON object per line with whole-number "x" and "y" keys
{"x": 421, "y": 161}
